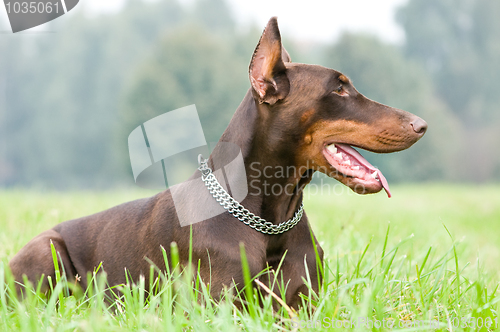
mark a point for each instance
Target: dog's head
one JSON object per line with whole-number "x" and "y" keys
{"x": 319, "y": 115}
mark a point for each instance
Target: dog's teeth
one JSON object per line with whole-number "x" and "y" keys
{"x": 338, "y": 156}
{"x": 348, "y": 162}
{"x": 374, "y": 174}
{"x": 332, "y": 148}
{"x": 355, "y": 168}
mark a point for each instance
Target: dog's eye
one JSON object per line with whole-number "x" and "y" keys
{"x": 339, "y": 89}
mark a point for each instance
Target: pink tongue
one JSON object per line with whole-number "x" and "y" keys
{"x": 365, "y": 163}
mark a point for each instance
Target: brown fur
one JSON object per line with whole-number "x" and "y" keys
{"x": 343, "y": 79}
{"x": 285, "y": 120}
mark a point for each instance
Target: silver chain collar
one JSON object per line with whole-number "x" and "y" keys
{"x": 238, "y": 210}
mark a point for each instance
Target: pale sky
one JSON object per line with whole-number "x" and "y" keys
{"x": 316, "y": 20}
{"x": 323, "y": 20}
{"x": 313, "y": 20}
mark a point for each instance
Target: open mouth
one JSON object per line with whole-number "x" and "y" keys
{"x": 354, "y": 170}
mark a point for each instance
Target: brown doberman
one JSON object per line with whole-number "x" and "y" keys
{"x": 299, "y": 116}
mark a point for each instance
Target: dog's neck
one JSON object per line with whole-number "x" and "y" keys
{"x": 275, "y": 182}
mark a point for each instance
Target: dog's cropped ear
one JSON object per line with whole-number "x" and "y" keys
{"x": 267, "y": 68}
{"x": 284, "y": 55}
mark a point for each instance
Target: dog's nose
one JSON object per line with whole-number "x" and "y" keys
{"x": 419, "y": 126}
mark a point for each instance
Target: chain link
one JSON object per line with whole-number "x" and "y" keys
{"x": 238, "y": 210}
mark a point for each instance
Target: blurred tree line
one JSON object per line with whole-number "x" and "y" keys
{"x": 68, "y": 100}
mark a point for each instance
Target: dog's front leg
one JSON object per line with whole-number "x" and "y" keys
{"x": 300, "y": 271}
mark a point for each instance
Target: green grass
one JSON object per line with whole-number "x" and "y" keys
{"x": 429, "y": 253}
